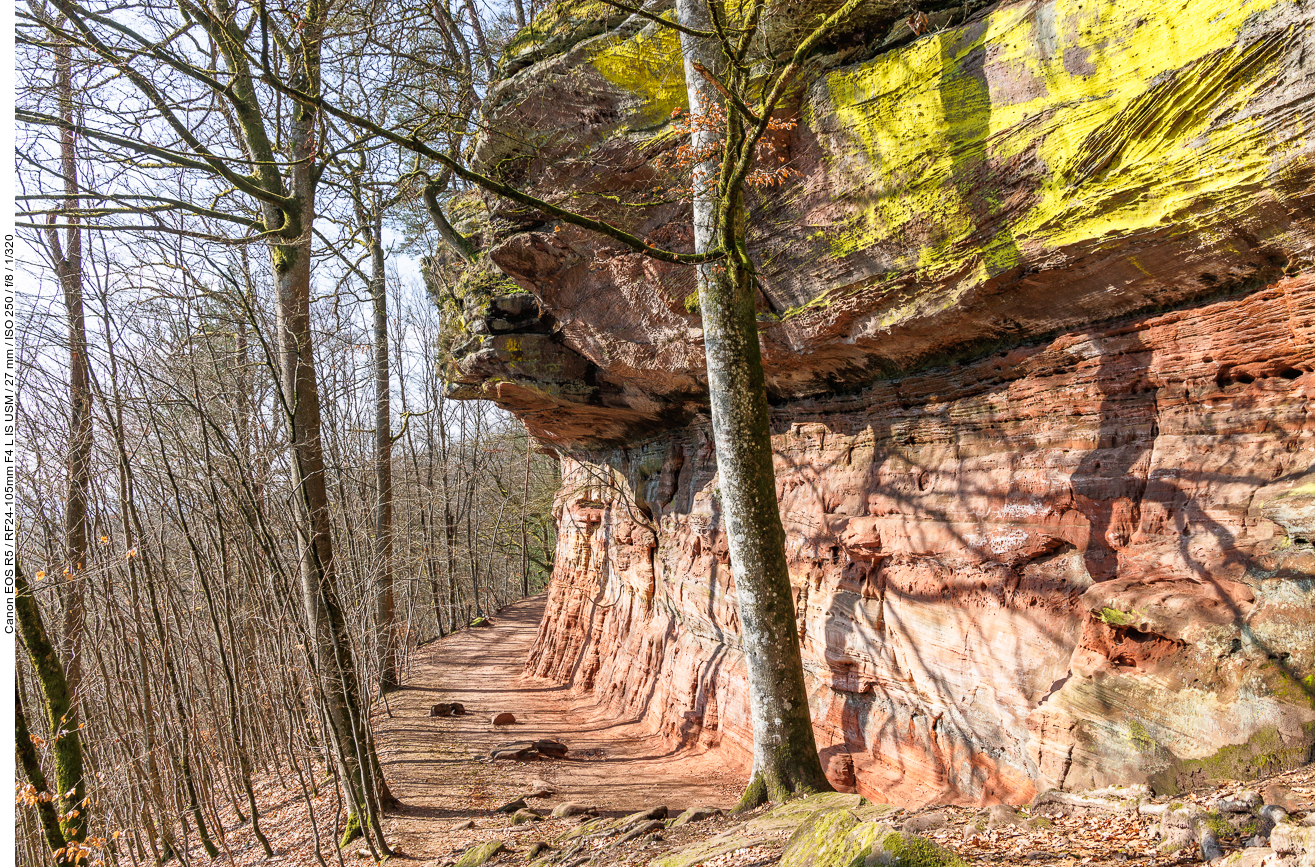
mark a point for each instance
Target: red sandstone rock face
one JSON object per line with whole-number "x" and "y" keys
{"x": 1072, "y": 564}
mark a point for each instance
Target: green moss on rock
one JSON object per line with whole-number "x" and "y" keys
{"x": 648, "y": 66}
{"x": 908, "y": 850}
{"x": 477, "y": 855}
{"x": 1265, "y": 752}
{"x": 1115, "y": 617}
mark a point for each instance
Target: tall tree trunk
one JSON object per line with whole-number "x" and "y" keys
{"x": 326, "y": 622}
{"x": 385, "y": 611}
{"x": 525, "y": 537}
{"x": 61, "y": 714}
{"x": 67, "y": 256}
{"x": 785, "y": 759}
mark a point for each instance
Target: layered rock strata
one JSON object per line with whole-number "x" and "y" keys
{"x": 1065, "y": 565}
{"x": 1038, "y": 315}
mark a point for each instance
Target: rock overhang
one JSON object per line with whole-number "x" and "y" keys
{"x": 1037, "y": 168}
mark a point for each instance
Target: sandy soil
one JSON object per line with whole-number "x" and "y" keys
{"x": 435, "y": 765}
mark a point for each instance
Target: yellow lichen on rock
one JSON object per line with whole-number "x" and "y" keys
{"x": 1133, "y": 116}
{"x": 647, "y": 65}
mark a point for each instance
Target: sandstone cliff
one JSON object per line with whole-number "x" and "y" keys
{"x": 1039, "y": 320}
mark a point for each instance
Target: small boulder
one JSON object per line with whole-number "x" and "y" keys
{"x": 1001, "y": 815}
{"x": 1252, "y": 858}
{"x": 1295, "y": 840}
{"x": 480, "y": 854}
{"x": 539, "y": 789}
{"x": 909, "y": 850}
{"x": 551, "y": 749}
{"x": 458, "y": 709}
{"x": 520, "y": 817}
{"x": 840, "y": 771}
{"x": 696, "y": 814}
{"x": 441, "y": 709}
{"x": 511, "y": 807}
{"x": 504, "y": 719}
{"x": 1176, "y": 839}
{"x": 1179, "y": 826}
{"x": 464, "y": 826}
{"x": 570, "y": 808}
{"x": 521, "y": 752}
{"x": 925, "y": 822}
{"x": 537, "y": 848}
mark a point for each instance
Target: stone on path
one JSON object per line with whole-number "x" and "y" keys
{"x": 696, "y": 814}
{"x": 441, "y": 709}
{"x": 1001, "y": 815}
{"x": 513, "y": 806}
{"x": 520, "y": 751}
{"x": 923, "y": 823}
{"x": 464, "y": 826}
{"x": 525, "y": 814}
{"x": 504, "y": 719}
{"x": 524, "y": 751}
{"x": 540, "y": 789}
{"x": 477, "y": 855}
{"x": 550, "y": 748}
{"x": 570, "y": 808}
{"x": 458, "y": 709}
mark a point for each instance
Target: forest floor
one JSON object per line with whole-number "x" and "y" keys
{"x": 438, "y": 768}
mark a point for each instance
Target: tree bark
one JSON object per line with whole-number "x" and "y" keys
{"x": 385, "y": 611}
{"x": 67, "y": 256}
{"x": 30, "y": 762}
{"x": 325, "y": 621}
{"x": 61, "y": 715}
{"x": 702, "y": 97}
{"x": 785, "y": 759}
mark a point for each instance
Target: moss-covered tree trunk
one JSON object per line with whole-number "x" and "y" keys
{"x": 30, "y": 762}
{"x": 785, "y": 759}
{"x": 61, "y": 716}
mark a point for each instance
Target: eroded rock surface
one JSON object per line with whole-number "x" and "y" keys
{"x": 1039, "y": 321}
{"x": 1049, "y": 568}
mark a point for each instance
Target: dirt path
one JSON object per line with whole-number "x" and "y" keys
{"x": 434, "y": 764}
